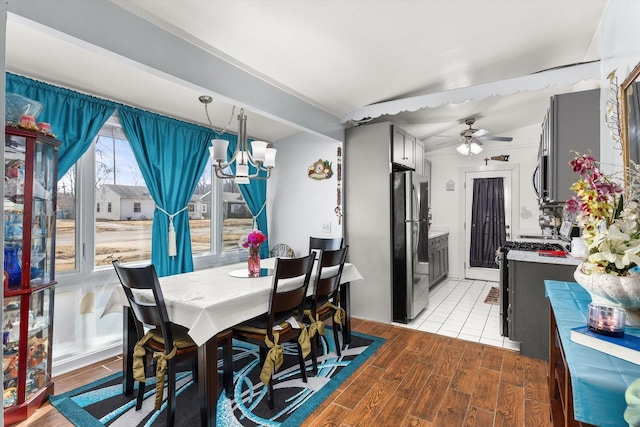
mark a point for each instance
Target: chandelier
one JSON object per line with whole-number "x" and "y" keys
{"x": 469, "y": 147}
{"x": 259, "y": 154}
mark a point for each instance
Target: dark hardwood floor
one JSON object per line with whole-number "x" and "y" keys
{"x": 415, "y": 379}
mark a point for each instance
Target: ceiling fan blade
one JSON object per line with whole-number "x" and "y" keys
{"x": 450, "y": 141}
{"x": 480, "y": 132}
{"x": 498, "y": 138}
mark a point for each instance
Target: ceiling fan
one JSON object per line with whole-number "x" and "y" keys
{"x": 472, "y": 138}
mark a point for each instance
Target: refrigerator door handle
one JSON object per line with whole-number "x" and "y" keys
{"x": 416, "y": 220}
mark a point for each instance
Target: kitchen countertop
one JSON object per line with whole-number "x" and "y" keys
{"x": 529, "y": 256}
{"x": 434, "y": 234}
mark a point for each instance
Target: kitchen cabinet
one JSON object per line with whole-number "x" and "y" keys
{"x": 438, "y": 258}
{"x": 420, "y": 161}
{"x": 30, "y": 189}
{"x": 528, "y": 310}
{"x": 404, "y": 148}
{"x": 572, "y": 124}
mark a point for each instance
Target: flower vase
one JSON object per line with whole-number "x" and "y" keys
{"x": 253, "y": 262}
{"x": 608, "y": 289}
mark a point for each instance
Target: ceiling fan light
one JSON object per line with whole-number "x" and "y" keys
{"x": 475, "y": 148}
{"x": 463, "y": 149}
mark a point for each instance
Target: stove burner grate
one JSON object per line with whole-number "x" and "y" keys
{"x": 532, "y": 246}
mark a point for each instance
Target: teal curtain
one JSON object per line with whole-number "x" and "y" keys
{"x": 75, "y": 118}
{"x": 255, "y": 195}
{"x": 172, "y": 155}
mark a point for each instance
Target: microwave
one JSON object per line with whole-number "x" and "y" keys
{"x": 541, "y": 177}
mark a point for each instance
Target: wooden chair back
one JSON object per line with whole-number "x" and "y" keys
{"x": 327, "y": 285}
{"x": 291, "y": 279}
{"x": 319, "y": 243}
{"x": 152, "y": 314}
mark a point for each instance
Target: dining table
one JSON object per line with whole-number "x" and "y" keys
{"x": 209, "y": 301}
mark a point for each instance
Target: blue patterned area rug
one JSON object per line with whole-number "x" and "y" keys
{"x": 102, "y": 403}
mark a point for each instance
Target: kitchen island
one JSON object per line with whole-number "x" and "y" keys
{"x": 528, "y": 310}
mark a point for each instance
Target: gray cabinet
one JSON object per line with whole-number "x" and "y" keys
{"x": 404, "y": 148}
{"x": 420, "y": 161}
{"x": 438, "y": 258}
{"x": 572, "y": 124}
{"x": 528, "y": 310}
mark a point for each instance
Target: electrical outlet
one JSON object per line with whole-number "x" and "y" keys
{"x": 326, "y": 227}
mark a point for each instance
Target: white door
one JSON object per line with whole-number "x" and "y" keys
{"x": 479, "y": 273}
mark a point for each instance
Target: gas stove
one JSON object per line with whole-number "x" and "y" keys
{"x": 532, "y": 246}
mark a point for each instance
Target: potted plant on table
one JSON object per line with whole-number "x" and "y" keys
{"x": 251, "y": 242}
{"x": 609, "y": 215}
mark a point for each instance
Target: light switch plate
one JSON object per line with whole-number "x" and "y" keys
{"x": 326, "y": 227}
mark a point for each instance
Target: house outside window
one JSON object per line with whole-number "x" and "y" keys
{"x": 109, "y": 207}
{"x": 136, "y": 207}
{"x": 97, "y": 207}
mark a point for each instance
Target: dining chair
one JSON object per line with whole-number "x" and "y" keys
{"x": 290, "y": 282}
{"x": 161, "y": 339}
{"x": 322, "y": 244}
{"x": 325, "y": 301}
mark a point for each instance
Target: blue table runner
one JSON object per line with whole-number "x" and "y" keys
{"x": 598, "y": 380}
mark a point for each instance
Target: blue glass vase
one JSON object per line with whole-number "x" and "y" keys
{"x": 12, "y": 266}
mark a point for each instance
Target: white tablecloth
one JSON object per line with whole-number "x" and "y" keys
{"x": 209, "y": 301}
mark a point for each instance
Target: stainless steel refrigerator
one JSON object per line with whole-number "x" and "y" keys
{"x": 410, "y": 228}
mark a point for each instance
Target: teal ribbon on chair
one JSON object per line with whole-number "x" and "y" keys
{"x": 139, "y": 353}
{"x": 274, "y": 359}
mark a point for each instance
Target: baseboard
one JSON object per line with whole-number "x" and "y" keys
{"x": 86, "y": 359}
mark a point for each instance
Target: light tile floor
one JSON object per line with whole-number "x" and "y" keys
{"x": 457, "y": 309}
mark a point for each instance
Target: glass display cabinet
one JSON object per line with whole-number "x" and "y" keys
{"x": 30, "y": 188}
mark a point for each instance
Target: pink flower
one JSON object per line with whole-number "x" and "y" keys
{"x": 253, "y": 240}
{"x": 572, "y": 205}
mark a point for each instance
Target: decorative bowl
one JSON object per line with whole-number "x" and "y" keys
{"x": 18, "y": 105}
{"x": 622, "y": 291}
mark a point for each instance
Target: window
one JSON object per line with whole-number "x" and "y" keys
{"x": 234, "y": 224}
{"x": 105, "y": 212}
{"x": 124, "y": 231}
{"x": 191, "y": 207}
{"x": 66, "y": 223}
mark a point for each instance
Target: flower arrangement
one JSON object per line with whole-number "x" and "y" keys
{"x": 609, "y": 215}
{"x": 252, "y": 241}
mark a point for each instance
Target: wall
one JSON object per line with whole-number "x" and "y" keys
{"x": 620, "y": 51}
{"x": 448, "y": 206}
{"x": 299, "y": 206}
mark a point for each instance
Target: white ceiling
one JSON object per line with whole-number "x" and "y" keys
{"x": 339, "y": 56}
